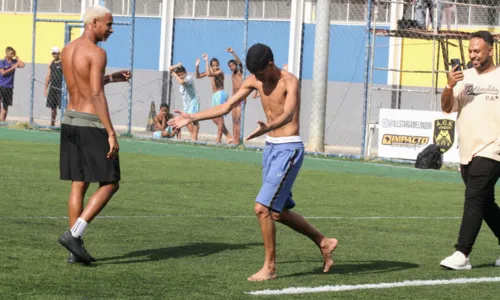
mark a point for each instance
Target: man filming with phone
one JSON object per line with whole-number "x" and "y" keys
{"x": 475, "y": 95}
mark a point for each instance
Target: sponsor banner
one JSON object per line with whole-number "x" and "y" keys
{"x": 405, "y": 133}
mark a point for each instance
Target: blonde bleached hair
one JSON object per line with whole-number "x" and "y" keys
{"x": 95, "y": 12}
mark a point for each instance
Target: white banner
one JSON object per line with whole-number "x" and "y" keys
{"x": 405, "y": 133}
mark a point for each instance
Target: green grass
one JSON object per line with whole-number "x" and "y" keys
{"x": 182, "y": 227}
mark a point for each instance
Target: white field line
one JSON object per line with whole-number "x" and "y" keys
{"x": 341, "y": 288}
{"x": 239, "y": 217}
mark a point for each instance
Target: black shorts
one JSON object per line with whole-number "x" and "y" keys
{"x": 54, "y": 98}
{"x": 6, "y": 95}
{"x": 84, "y": 146}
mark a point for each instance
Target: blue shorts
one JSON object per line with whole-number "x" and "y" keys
{"x": 219, "y": 97}
{"x": 192, "y": 109}
{"x": 281, "y": 163}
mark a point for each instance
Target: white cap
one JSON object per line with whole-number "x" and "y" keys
{"x": 55, "y": 49}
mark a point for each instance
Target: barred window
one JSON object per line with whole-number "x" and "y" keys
{"x": 183, "y": 8}
{"x": 231, "y": 9}
{"x": 71, "y": 6}
{"x": 150, "y": 8}
{"x": 48, "y": 6}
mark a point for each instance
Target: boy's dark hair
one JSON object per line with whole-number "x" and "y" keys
{"x": 232, "y": 61}
{"x": 9, "y": 49}
{"x": 180, "y": 69}
{"x": 164, "y": 105}
{"x": 258, "y": 57}
{"x": 214, "y": 60}
{"x": 485, "y": 35}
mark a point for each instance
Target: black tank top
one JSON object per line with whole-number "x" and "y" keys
{"x": 56, "y": 74}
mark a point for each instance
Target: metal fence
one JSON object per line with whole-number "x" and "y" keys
{"x": 353, "y": 57}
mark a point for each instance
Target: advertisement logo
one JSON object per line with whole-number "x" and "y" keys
{"x": 404, "y": 140}
{"x": 444, "y": 134}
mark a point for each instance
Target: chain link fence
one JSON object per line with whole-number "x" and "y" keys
{"x": 380, "y": 54}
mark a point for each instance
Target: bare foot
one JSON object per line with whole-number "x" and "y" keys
{"x": 327, "y": 247}
{"x": 229, "y": 140}
{"x": 263, "y": 275}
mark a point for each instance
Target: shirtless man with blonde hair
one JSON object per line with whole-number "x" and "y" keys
{"x": 282, "y": 157}
{"x": 88, "y": 148}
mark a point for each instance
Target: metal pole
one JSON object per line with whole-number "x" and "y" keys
{"x": 67, "y": 38}
{"x": 370, "y": 89}
{"x": 245, "y": 47}
{"x": 320, "y": 77}
{"x": 433, "y": 90}
{"x": 33, "y": 48}
{"x": 131, "y": 64}
{"x": 367, "y": 85}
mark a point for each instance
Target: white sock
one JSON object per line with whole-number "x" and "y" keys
{"x": 79, "y": 228}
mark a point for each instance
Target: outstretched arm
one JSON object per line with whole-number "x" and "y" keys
{"x": 120, "y": 76}
{"x": 214, "y": 112}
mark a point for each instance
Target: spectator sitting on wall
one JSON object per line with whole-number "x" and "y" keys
{"x": 161, "y": 127}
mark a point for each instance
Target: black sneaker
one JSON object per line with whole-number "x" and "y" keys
{"x": 75, "y": 246}
{"x": 72, "y": 259}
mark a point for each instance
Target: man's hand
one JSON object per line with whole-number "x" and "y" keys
{"x": 263, "y": 128}
{"x": 121, "y": 76}
{"x": 183, "y": 119}
{"x": 113, "y": 146}
{"x": 205, "y": 56}
{"x": 197, "y": 63}
{"x": 455, "y": 76}
{"x": 230, "y": 50}
{"x": 45, "y": 93}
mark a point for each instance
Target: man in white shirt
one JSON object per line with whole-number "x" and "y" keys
{"x": 475, "y": 95}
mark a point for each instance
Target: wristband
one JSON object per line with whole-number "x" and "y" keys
{"x": 449, "y": 87}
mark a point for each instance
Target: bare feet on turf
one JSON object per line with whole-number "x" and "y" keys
{"x": 327, "y": 247}
{"x": 230, "y": 141}
{"x": 264, "y": 274}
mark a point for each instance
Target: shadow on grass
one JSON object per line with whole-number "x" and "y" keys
{"x": 357, "y": 267}
{"x": 193, "y": 249}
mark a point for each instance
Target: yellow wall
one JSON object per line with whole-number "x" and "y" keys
{"x": 17, "y": 32}
{"x": 417, "y": 55}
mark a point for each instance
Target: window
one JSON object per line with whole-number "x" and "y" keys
{"x": 23, "y": 5}
{"x": 183, "y": 8}
{"x": 201, "y": 8}
{"x": 218, "y": 8}
{"x": 117, "y": 7}
{"x": 278, "y": 9}
{"x": 237, "y": 9}
{"x": 258, "y": 9}
{"x": 357, "y": 10}
{"x": 9, "y": 5}
{"x": 150, "y": 8}
{"x": 48, "y": 6}
{"x": 71, "y": 6}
